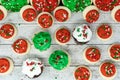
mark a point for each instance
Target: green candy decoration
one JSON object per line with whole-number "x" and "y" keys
{"x": 76, "y": 5}
{"x": 13, "y": 5}
{"x": 42, "y": 41}
{"x": 59, "y": 60}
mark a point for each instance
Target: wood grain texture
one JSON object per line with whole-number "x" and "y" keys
{"x": 27, "y": 30}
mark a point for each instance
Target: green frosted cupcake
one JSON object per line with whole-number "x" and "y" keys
{"x": 14, "y": 5}
{"x": 59, "y": 60}
{"x": 76, "y": 5}
{"x": 42, "y": 41}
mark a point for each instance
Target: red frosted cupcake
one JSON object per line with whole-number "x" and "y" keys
{"x": 91, "y": 14}
{"x": 62, "y": 14}
{"x": 104, "y": 32}
{"x": 62, "y": 36}
{"x": 21, "y": 46}
{"x": 45, "y": 20}
{"x": 108, "y": 70}
{"x": 28, "y": 13}
{"x": 114, "y": 52}
{"x": 6, "y": 66}
{"x": 8, "y": 31}
{"x": 92, "y": 54}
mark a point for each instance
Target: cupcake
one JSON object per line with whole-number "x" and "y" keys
{"x": 92, "y": 54}
{"x": 6, "y": 65}
{"x": 114, "y": 51}
{"x": 28, "y": 13}
{"x": 21, "y": 46}
{"x": 115, "y": 13}
{"x": 42, "y": 41}
{"x": 44, "y": 5}
{"x": 8, "y": 31}
{"x": 82, "y": 73}
{"x": 14, "y": 5}
{"x": 45, "y": 20}
{"x": 82, "y": 34}
{"x": 3, "y": 13}
{"x": 106, "y": 5}
{"x": 62, "y": 14}
{"x": 59, "y": 60}
{"x": 108, "y": 70}
{"x": 32, "y": 68}
{"x": 62, "y": 36}
{"x": 76, "y": 5}
{"x": 104, "y": 32}
{"x": 91, "y": 14}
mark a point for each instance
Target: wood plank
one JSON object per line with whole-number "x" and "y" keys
{"x": 27, "y": 31}
{"x": 75, "y": 51}
{"x": 51, "y": 74}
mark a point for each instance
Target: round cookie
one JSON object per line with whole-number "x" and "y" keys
{"x": 82, "y": 73}
{"x": 42, "y": 41}
{"x": 6, "y": 65}
{"x": 44, "y": 5}
{"x": 114, "y": 51}
{"x": 115, "y": 13}
{"x": 92, "y": 54}
{"x": 59, "y": 60}
{"x": 82, "y": 34}
{"x": 62, "y": 36}
{"x": 3, "y": 13}
{"x": 33, "y": 68}
{"x": 107, "y": 70}
{"x": 28, "y": 13}
{"x": 14, "y": 5}
{"x": 76, "y": 5}
{"x": 104, "y": 32}
{"x": 8, "y": 31}
{"x": 45, "y": 20}
{"x": 91, "y": 14}
{"x": 21, "y": 46}
{"x": 62, "y": 14}
{"x": 106, "y": 5}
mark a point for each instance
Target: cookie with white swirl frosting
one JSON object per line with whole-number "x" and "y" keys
{"x": 82, "y": 34}
{"x": 32, "y": 67}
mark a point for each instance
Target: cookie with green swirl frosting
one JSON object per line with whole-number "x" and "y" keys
{"x": 59, "y": 60}
{"x": 14, "y": 5}
{"x": 42, "y": 41}
{"x": 76, "y": 5}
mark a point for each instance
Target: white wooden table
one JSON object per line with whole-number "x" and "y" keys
{"x": 27, "y": 30}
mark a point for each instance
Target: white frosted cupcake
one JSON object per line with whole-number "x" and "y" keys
{"x": 82, "y": 34}
{"x": 82, "y": 73}
{"x": 92, "y": 54}
{"x": 115, "y": 13}
{"x": 21, "y": 46}
{"x": 108, "y": 70}
{"x": 32, "y": 68}
{"x": 28, "y": 13}
{"x": 3, "y": 13}
{"x": 62, "y": 14}
{"x": 8, "y": 31}
{"x": 6, "y": 65}
{"x": 91, "y": 14}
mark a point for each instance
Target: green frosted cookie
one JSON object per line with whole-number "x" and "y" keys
{"x": 14, "y": 5}
{"x": 76, "y": 5}
{"x": 59, "y": 60}
{"x": 42, "y": 41}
